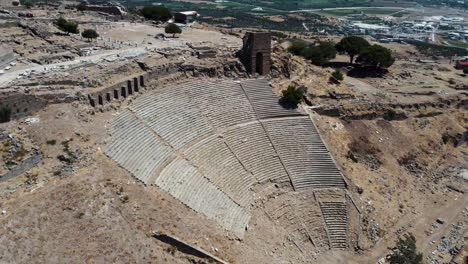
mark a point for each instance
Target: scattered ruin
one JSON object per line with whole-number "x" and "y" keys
{"x": 135, "y": 131}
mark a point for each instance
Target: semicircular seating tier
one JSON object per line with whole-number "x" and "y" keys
{"x": 209, "y": 143}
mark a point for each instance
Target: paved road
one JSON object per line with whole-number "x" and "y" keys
{"x": 9, "y": 76}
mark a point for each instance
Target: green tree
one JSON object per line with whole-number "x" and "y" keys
{"x": 376, "y": 56}
{"x": 320, "y": 54}
{"x": 328, "y": 50}
{"x": 293, "y": 96}
{"x": 89, "y": 34}
{"x": 298, "y": 47}
{"x": 405, "y": 251}
{"x": 67, "y": 26}
{"x": 351, "y": 45}
{"x": 313, "y": 54}
{"x": 172, "y": 29}
{"x": 338, "y": 75}
{"x": 156, "y": 13}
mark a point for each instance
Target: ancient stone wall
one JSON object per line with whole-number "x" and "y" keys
{"x": 113, "y": 10}
{"x": 132, "y": 85}
{"x": 256, "y": 52}
{"x": 21, "y": 104}
{"x": 391, "y": 111}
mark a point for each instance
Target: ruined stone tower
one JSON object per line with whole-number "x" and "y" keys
{"x": 256, "y": 52}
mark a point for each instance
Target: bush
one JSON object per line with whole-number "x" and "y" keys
{"x": 172, "y": 29}
{"x": 156, "y": 13}
{"x": 327, "y": 50}
{"x": 298, "y": 47}
{"x": 89, "y": 34}
{"x": 293, "y": 96}
{"x": 405, "y": 251}
{"x": 313, "y": 54}
{"x": 319, "y": 55}
{"x": 67, "y": 26}
{"x": 338, "y": 75}
{"x": 51, "y": 142}
{"x": 5, "y": 115}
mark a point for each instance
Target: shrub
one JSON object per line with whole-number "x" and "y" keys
{"x": 390, "y": 115}
{"x": 298, "y": 47}
{"x": 5, "y": 115}
{"x": 156, "y": 13}
{"x": 172, "y": 29}
{"x": 313, "y": 54}
{"x": 319, "y": 55}
{"x": 405, "y": 251}
{"x": 293, "y": 96}
{"x": 327, "y": 50}
{"x": 67, "y": 26}
{"x": 338, "y": 75}
{"x": 51, "y": 142}
{"x": 89, "y": 34}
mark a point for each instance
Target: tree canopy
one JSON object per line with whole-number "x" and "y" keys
{"x": 319, "y": 55}
{"x": 376, "y": 56}
{"x": 293, "y": 96}
{"x": 352, "y": 45}
{"x": 156, "y": 13}
{"x": 89, "y": 34}
{"x": 67, "y": 26}
{"x": 297, "y": 47}
{"x": 405, "y": 251}
{"x": 172, "y": 29}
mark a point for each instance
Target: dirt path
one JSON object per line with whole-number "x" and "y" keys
{"x": 10, "y": 76}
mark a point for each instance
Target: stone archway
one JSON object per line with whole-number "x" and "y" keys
{"x": 259, "y": 63}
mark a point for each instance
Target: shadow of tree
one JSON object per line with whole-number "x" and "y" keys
{"x": 336, "y": 64}
{"x": 367, "y": 72}
{"x": 285, "y": 103}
